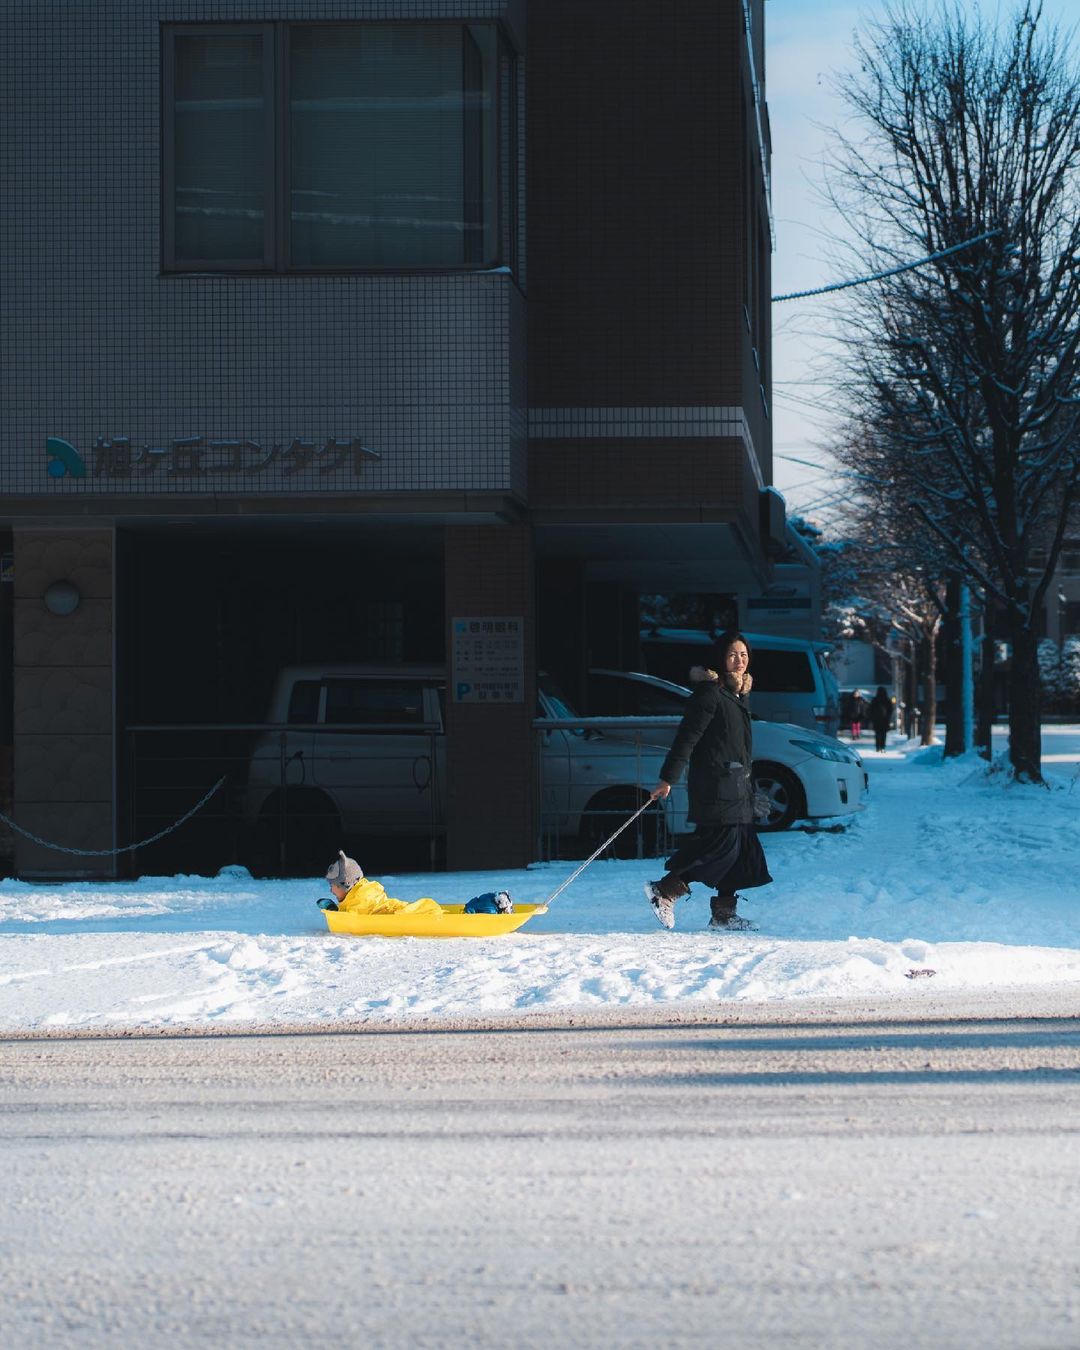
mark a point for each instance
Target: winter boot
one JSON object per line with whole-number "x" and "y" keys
{"x": 724, "y": 916}
{"x": 662, "y": 895}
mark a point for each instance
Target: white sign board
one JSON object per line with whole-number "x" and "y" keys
{"x": 487, "y": 660}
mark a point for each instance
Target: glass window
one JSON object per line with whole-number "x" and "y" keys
{"x": 304, "y": 701}
{"x": 384, "y": 141}
{"x": 554, "y": 702}
{"x": 779, "y": 672}
{"x": 218, "y": 121}
{"x": 388, "y": 156}
{"x": 652, "y": 702}
{"x": 611, "y": 696}
{"x": 374, "y": 703}
{"x": 385, "y": 631}
{"x": 672, "y": 660}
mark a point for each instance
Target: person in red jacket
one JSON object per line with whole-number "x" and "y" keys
{"x": 857, "y": 710}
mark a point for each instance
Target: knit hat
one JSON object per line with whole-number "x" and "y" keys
{"x": 344, "y": 871}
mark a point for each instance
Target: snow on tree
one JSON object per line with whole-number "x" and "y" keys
{"x": 1059, "y": 669}
{"x": 1050, "y": 670}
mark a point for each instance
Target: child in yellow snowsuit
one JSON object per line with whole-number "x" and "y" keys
{"x": 353, "y": 891}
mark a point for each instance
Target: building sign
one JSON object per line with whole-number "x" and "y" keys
{"x": 202, "y": 457}
{"x": 488, "y": 660}
{"x": 778, "y": 600}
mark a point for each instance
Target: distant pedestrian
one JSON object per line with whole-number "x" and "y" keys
{"x": 858, "y": 712}
{"x": 714, "y": 743}
{"x": 881, "y": 710}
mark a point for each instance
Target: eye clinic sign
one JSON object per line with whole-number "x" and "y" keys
{"x": 487, "y": 660}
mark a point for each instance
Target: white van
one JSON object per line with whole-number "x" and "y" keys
{"x": 792, "y": 679}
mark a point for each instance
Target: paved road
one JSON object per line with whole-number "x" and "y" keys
{"x": 759, "y": 1177}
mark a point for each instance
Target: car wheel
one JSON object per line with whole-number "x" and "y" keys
{"x": 785, "y": 794}
{"x": 607, "y": 811}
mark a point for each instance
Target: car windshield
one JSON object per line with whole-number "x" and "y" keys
{"x": 556, "y": 705}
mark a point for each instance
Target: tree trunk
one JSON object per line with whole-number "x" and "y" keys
{"x": 987, "y": 690}
{"x": 954, "y": 672}
{"x": 1025, "y": 704}
{"x": 911, "y": 686}
{"x": 929, "y": 674}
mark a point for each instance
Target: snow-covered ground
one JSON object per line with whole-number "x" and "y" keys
{"x": 948, "y": 871}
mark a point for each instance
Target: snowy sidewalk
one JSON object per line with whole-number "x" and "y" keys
{"x": 944, "y": 872}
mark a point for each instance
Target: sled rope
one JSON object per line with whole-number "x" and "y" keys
{"x": 592, "y": 857}
{"x": 107, "y": 852}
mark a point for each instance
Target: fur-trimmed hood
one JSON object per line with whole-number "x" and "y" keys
{"x": 702, "y": 674}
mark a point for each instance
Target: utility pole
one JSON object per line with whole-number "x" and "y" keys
{"x": 967, "y": 683}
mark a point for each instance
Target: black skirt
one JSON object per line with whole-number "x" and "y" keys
{"x": 728, "y": 858}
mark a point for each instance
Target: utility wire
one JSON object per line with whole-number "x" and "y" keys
{"x": 892, "y": 271}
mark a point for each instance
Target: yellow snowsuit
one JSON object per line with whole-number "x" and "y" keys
{"x": 368, "y": 897}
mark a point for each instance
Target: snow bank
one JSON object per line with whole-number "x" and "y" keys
{"x": 948, "y": 871}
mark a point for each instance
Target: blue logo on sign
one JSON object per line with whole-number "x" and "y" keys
{"x": 64, "y": 459}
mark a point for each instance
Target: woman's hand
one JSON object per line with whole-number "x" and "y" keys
{"x": 660, "y": 791}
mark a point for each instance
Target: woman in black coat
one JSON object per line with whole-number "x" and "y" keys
{"x": 880, "y": 716}
{"x": 714, "y": 739}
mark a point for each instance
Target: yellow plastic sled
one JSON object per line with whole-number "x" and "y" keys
{"x": 453, "y": 923}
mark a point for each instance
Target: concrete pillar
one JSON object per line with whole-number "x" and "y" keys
{"x": 64, "y": 682}
{"x": 491, "y": 746}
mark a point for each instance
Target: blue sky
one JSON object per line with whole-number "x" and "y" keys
{"x": 808, "y": 40}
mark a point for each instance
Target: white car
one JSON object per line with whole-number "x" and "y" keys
{"x": 805, "y": 774}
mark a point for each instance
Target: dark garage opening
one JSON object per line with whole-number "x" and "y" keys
{"x": 205, "y": 620}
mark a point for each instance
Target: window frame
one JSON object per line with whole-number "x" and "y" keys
{"x": 271, "y": 192}
{"x": 276, "y": 260}
{"x": 376, "y": 726}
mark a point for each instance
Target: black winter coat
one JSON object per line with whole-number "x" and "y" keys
{"x": 715, "y": 738}
{"x": 880, "y": 711}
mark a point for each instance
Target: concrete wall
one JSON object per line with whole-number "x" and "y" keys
{"x": 64, "y": 703}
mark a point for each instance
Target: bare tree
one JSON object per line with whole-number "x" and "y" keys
{"x": 903, "y": 567}
{"x": 883, "y": 589}
{"x": 972, "y": 363}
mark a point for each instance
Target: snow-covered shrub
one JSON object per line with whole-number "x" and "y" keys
{"x": 1059, "y": 670}
{"x": 1070, "y": 672}
{"x": 1050, "y": 672}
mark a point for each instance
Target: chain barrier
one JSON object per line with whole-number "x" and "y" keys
{"x": 110, "y": 852}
